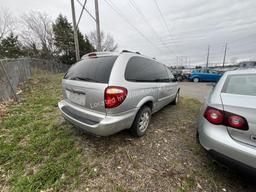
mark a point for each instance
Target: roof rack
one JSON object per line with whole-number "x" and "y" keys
{"x": 126, "y": 51}
{"x": 97, "y": 54}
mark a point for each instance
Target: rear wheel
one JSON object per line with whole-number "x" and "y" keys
{"x": 196, "y": 80}
{"x": 141, "y": 122}
{"x": 177, "y": 98}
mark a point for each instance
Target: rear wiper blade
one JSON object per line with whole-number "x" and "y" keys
{"x": 83, "y": 79}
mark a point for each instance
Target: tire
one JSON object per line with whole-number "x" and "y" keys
{"x": 196, "y": 80}
{"x": 177, "y": 98}
{"x": 197, "y": 137}
{"x": 143, "y": 115}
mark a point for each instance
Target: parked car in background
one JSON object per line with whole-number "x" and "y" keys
{"x": 177, "y": 73}
{"x": 204, "y": 75}
{"x": 227, "y": 124}
{"x": 105, "y": 93}
{"x": 186, "y": 73}
{"x": 247, "y": 64}
{"x": 180, "y": 73}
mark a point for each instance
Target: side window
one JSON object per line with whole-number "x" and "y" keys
{"x": 213, "y": 72}
{"x": 162, "y": 74}
{"x": 145, "y": 70}
{"x": 171, "y": 77}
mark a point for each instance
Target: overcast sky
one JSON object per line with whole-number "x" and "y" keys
{"x": 191, "y": 25}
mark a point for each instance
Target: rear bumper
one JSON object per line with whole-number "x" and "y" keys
{"x": 216, "y": 138}
{"x": 232, "y": 163}
{"x": 95, "y": 123}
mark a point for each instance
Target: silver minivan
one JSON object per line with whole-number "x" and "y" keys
{"x": 105, "y": 93}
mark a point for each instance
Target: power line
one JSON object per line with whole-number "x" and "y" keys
{"x": 164, "y": 21}
{"x": 111, "y": 4}
{"x": 86, "y": 10}
{"x": 76, "y": 25}
{"x": 81, "y": 13}
{"x": 243, "y": 38}
{"x": 162, "y": 16}
{"x": 134, "y": 5}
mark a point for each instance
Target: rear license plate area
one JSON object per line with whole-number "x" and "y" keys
{"x": 77, "y": 98}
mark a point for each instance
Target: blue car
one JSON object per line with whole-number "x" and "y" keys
{"x": 204, "y": 75}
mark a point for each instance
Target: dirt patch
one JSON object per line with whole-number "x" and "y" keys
{"x": 4, "y": 107}
{"x": 168, "y": 158}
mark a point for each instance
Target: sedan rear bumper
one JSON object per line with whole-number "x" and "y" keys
{"x": 97, "y": 124}
{"x": 232, "y": 163}
{"x": 216, "y": 138}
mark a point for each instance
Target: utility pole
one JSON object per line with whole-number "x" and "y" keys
{"x": 180, "y": 60}
{"x": 97, "y": 25}
{"x": 75, "y": 31}
{"x": 208, "y": 54}
{"x": 225, "y": 53}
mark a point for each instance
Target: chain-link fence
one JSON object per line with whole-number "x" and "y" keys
{"x": 15, "y": 71}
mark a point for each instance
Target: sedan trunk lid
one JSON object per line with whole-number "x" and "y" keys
{"x": 244, "y": 106}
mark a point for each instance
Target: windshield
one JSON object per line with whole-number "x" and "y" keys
{"x": 93, "y": 70}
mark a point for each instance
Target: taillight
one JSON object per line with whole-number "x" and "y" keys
{"x": 114, "y": 96}
{"x": 236, "y": 121}
{"x": 217, "y": 117}
{"x": 213, "y": 115}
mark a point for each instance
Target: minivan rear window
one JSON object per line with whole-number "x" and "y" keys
{"x": 240, "y": 84}
{"x": 92, "y": 69}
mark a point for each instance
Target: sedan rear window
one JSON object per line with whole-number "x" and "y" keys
{"x": 241, "y": 84}
{"x": 92, "y": 69}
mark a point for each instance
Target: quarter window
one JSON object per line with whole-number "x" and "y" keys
{"x": 145, "y": 70}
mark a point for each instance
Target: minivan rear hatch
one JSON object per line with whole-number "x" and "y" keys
{"x": 85, "y": 82}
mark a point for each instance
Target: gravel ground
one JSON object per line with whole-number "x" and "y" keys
{"x": 197, "y": 91}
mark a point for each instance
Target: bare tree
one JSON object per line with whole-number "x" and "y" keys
{"x": 38, "y": 31}
{"x": 107, "y": 41}
{"x": 6, "y": 22}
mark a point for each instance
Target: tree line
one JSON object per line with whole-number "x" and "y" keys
{"x": 40, "y": 37}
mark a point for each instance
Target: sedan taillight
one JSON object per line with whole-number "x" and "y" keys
{"x": 213, "y": 115}
{"x": 220, "y": 117}
{"x": 114, "y": 96}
